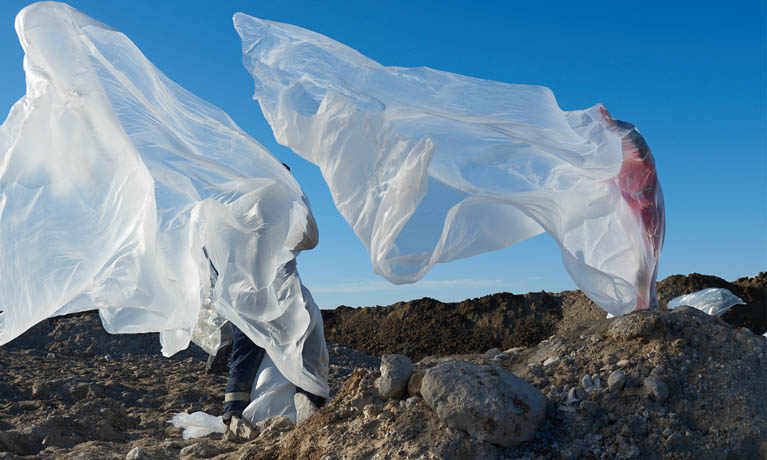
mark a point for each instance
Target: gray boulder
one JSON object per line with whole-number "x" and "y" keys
{"x": 395, "y": 375}
{"x": 487, "y": 402}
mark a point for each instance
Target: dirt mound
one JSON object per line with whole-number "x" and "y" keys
{"x": 429, "y": 327}
{"x": 70, "y": 390}
{"x": 752, "y": 290}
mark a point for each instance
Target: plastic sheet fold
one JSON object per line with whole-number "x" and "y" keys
{"x": 112, "y": 181}
{"x": 429, "y": 166}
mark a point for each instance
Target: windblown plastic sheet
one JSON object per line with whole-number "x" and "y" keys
{"x": 429, "y": 166}
{"x": 113, "y": 179}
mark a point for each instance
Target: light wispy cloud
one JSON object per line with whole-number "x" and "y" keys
{"x": 379, "y": 285}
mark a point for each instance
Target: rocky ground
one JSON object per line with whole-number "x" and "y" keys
{"x": 660, "y": 384}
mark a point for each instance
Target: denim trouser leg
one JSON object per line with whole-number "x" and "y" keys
{"x": 246, "y": 359}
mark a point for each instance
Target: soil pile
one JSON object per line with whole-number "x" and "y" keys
{"x": 429, "y": 327}
{"x": 692, "y": 386}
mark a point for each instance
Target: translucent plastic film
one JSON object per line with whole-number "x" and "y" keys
{"x": 430, "y": 166}
{"x": 112, "y": 181}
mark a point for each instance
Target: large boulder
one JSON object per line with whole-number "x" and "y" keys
{"x": 487, "y": 402}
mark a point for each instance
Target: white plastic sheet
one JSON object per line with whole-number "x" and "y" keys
{"x": 112, "y": 180}
{"x": 198, "y": 424}
{"x": 714, "y": 301}
{"x": 429, "y": 166}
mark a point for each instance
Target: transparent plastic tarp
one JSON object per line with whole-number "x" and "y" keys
{"x": 714, "y": 301}
{"x": 113, "y": 178}
{"x": 429, "y": 166}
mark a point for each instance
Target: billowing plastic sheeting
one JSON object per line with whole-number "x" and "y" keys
{"x": 429, "y": 166}
{"x": 714, "y": 301}
{"x": 198, "y": 424}
{"x": 271, "y": 395}
{"x": 112, "y": 180}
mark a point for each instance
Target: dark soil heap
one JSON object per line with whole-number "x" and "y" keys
{"x": 429, "y": 327}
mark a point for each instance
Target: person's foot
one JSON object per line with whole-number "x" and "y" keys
{"x": 305, "y": 408}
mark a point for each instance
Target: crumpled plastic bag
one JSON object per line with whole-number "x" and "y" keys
{"x": 198, "y": 424}
{"x": 114, "y": 178}
{"x": 714, "y": 301}
{"x": 429, "y": 166}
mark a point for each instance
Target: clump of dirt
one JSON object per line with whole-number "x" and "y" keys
{"x": 429, "y": 327}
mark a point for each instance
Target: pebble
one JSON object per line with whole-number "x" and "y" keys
{"x": 616, "y": 380}
{"x": 655, "y": 388}
{"x": 137, "y": 453}
{"x": 622, "y": 363}
{"x": 550, "y": 361}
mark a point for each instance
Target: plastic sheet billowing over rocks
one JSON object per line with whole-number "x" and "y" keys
{"x": 429, "y": 166}
{"x": 114, "y": 179}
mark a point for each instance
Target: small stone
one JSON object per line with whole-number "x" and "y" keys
{"x": 137, "y": 453}
{"x": 81, "y": 391}
{"x": 622, "y": 363}
{"x": 655, "y": 388}
{"x": 572, "y": 397}
{"x": 370, "y": 411}
{"x": 305, "y": 408}
{"x": 396, "y": 371}
{"x": 50, "y": 356}
{"x": 197, "y": 450}
{"x": 242, "y": 430}
{"x": 586, "y": 383}
{"x": 409, "y": 402}
{"x": 550, "y": 361}
{"x": 616, "y": 380}
{"x": 491, "y": 353}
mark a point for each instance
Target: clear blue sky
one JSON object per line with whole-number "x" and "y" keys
{"x": 690, "y": 75}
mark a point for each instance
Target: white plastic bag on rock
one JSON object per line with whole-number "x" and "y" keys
{"x": 430, "y": 166}
{"x": 714, "y": 301}
{"x": 112, "y": 180}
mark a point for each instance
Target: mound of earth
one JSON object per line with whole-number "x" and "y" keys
{"x": 429, "y": 327}
{"x": 69, "y": 390}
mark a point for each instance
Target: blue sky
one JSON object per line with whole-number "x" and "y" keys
{"x": 690, "y": 75}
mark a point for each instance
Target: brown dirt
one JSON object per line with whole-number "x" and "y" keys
{"x": 69, "y": 390}
{"x": 426, "y": 326}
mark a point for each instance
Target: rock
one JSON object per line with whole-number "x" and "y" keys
{"x": 487, "y": 402}
{"x": 371, "y": 411}
{"x": 137, "y": 453}
{"x": 409, "y": 402}
{"x": 395, "y": 374}
{"x": 305, "y": 408}
{"x": 587, "y": 383}
{"x": 616, "y": 380}
{"x": 414, "y": 384}
{"x": 655, "y": 388}
{"x": 198, "y": 450}
{"x": 241, "y": 431}
{"x": 572, "y": 397}
{"x": 492, "y": 353}
{"x": 622, "y": 363}
{"x": 550, "y": 361}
